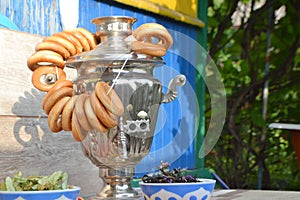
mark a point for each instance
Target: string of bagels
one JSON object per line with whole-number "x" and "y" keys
{"x": 99, "y": 110}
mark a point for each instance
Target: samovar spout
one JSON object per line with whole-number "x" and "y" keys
{"x": 172, "y": 92}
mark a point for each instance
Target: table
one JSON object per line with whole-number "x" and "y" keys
{"x": 255, "y": 195}
{"x": 246, "y": 195}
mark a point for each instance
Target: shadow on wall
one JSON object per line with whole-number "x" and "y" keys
{"x": 30, "y": 126}
{"x": 45, "y": 149}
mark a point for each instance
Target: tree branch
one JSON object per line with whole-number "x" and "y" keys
{"x": 275, "y": 76}
{"x": 221, "y": 28}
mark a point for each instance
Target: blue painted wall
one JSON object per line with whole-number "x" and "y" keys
{"x": 176, "y": 119}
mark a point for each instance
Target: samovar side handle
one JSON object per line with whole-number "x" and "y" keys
{"x": 172, "y": 92}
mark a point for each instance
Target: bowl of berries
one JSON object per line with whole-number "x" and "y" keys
{"x": 172, "y": 184}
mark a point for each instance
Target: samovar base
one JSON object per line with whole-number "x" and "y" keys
{"x": 117, "y": 184}
{"x": 112, "y": 194}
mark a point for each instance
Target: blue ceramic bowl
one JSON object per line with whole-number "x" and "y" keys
{"x": 68, "y": 194}
{"x": 178, "y": 191}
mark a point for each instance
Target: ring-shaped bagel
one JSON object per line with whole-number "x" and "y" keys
{"x": 45, "y": 57}
{"x": 111, "y": 101}
{"x": 149, "y": 25}
{"x": 59, "y": 84}
{"x": 71, "y": 39}
{"x": 89, "y": 36}
{"x": 53, "y": 46}
{"x": 108, "y": 119}
{"x": 152, "y": 25}
{"x": 78, "y": 133}
{"x": 55, "y": 97}
{"x": 54, "y": 123}
{"x": 92, "y": 118}
{"x": 148, "y": 48}
{"x": 83, "y": 41}
{"x": 62, "y": 41}
{"x": 163, "y": 36}
{"x": 38, "y": 77}
{"x": 80, "y": 113}
{"x": 67, "y": 112}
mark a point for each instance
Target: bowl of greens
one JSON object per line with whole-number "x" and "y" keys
{"x": 52, "y": 187}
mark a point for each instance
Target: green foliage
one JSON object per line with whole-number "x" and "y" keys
{"x": 240, "y": 52}
{"x": 56, "y": 181}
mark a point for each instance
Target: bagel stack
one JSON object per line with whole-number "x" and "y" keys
{"x": 84, "y": 112}
{"x": 50, "y": 55}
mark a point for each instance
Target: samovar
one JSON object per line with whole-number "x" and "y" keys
{"x": 138, "y": 95}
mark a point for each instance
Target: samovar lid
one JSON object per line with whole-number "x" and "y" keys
{"x": 115, "y": 35}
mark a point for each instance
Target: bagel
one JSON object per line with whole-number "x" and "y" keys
{"x": 163, "y": 36}
{"x": 39, "y": 77}
{"x": 56, "y": 86}
{"x": 45, "y": 57}
{"x": 108, "y": 119}
{"x": 148, "y": 48}
{"x": 62, "y": 41}
{"x": 83, "y": 41}
{"x": 54, "y": 123}
{"x": 77, "y": 132}
{"x": 71, "y": 38}
{"x": 66, "y": 116}
{"x": 148, "y": 25}
{"x": 92, "y": 118}
{"x": 89, "y": 36}
{"x": 53, "y": 46}
{"x": 80, "y": 113}
{"x": 111, "y": 101}
{"x": 55, "y": 97}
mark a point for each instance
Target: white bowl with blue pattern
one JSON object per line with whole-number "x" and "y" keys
{"x": 68, "y": 194}
{"x": 178, "y": 191}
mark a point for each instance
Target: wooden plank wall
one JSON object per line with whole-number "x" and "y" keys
{"x": 26, "y": 143}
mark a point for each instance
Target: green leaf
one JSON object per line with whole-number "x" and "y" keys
{"x": 218, "y": 3}
{"x": 64, "y": 183}
{"x": 9, "y": 184}
{"x": 3, "y": 187}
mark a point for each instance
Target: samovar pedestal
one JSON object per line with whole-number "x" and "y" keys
{"x": 117, "y": 184}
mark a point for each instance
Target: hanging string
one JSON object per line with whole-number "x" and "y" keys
{"x": 57, "y": 75}
{"x": 118, "y": 75}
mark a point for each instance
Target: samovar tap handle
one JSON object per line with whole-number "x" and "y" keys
{"x": 172, "y": 90}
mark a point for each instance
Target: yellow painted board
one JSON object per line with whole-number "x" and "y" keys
{"x": 187, "y": 7}
{"x": 180, "y": 10}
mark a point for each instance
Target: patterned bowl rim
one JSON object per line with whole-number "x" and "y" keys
{"x": 203, "y": 181}
{"x": 74, "y": 189}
